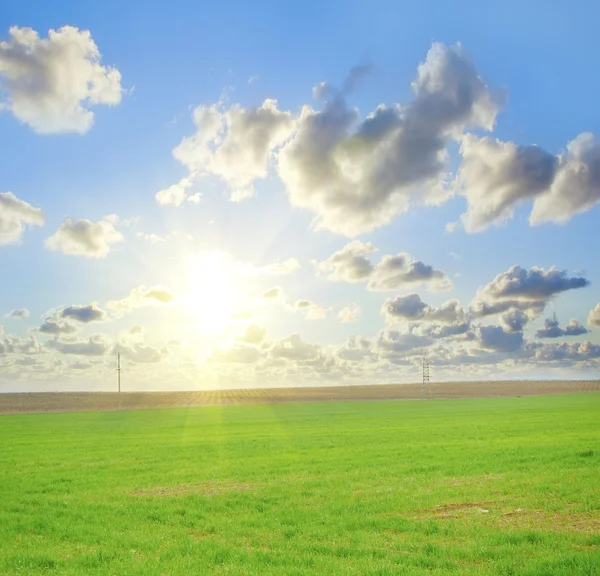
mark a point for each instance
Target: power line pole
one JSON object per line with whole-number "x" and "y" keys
{"x": 119, "y": 370}
{"x": 425, "y": 384}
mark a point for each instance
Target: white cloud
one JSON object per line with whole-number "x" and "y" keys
{"x": 15, "y": 215}
{"x": 350, "y": 264}
{"x": 576, "y": 187}
{"x": 142, "y": 296}
{"x": 252, "y": 335}
{"x": 594, "y": 316}
{"x": 84, "y": 238}
{"x": 273, "y": 295}
{"x": 141, "y": 353}
{"x": 349, "y": 314}
{"x": 153, "y": 238}
{"x": 294, "y": 348}
{"x": 235, "y": 145}
{"x": 96, "y": 345}
{"x": 358, "y": 175}
{"x": 577, "y": 352}
{"x": 310, "y": 310}
{"x": 237, "y": 354}
{"x": 174, "y": 194}
{"x": 277, "y": 268}
{"x": 497, "y": 176}
{"x": 50, "y": 83}
{"x": 22, "y": 313}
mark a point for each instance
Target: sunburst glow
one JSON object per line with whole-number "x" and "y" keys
{"x": 212, "y": 294}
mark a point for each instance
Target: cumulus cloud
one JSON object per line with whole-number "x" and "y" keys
{"x": 577, "y": 352}
{"x": 235, "y": 145}
{"x": 50, "y": 83}
{"x": 83, "y": 313}
{"x": 310, "y": 310}
{"x": 276, "y": 268}
{"x": 514, "y": 320}
{"x": 52, "y": 325}
{"x": 411, "y": 307}
{"x": 497, "y": 339}
{"x": 17, "y": 345}
{"x": 273, "y": 295}
{"x": 576, "y": 187}
{"x": 141, "y": 353}
{"x": 357, "y": 175}
{"x": 594, "y": 316}
{"x": 175, "y": 194}
{"x": 237, "y": 354}
{"x": 18, "y": 313}
{"x": 357, "y": 349}
{"x": 15, "y": 216}
{"x": 153, "y": 238}
{"x": 349, "y": 314}
{"x": 525, "y": 290}
{"x": 497, "y": 176}
{"x": 84, "y": 238}
{"x": 143, "y": 296}
{"x": 350, "y": 264}
{"x": 294, "y": 348}
{"x": 95, "y": 345}
{"x": 252, "y": 335}
{"x": 552, "y": 329}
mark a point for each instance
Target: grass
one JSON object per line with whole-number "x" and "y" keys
{"x": 487, "y": 486}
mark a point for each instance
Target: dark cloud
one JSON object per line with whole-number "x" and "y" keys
{"x": 411, "y": 307}
{"x": 54, "y": 326}
{"x": 552, "y": 329}
{"x": 497, "y": 339}
{"x": 83, "y": 313}
{"x": 514, "y": 320}
{"x": 524, "y": 290}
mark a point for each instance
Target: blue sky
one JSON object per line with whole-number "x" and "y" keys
{"x": 529, "y": 69}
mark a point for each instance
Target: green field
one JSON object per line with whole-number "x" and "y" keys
{"x": 487, "y": 486}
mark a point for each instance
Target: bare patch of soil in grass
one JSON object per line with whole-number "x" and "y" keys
{"x": 515, "y": 518}
{"x": 586, "y": 522}
{"x": 211, "y": 488}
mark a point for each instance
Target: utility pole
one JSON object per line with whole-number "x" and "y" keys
{"x": 119, "y": 369}
{"x": 425, "y": 384}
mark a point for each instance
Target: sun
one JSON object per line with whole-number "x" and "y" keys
{"x": 212, "y": 294}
